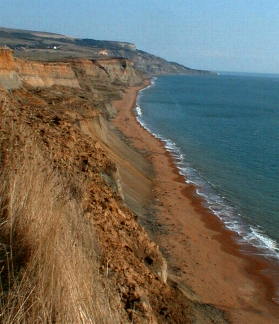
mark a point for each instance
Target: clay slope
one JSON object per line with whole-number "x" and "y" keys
{"x": 56, "y": 141}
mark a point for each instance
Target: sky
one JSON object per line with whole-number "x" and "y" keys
{"x": 219, "y": 35}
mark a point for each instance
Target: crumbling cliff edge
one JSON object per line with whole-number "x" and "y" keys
{"x": 71, "y": 248}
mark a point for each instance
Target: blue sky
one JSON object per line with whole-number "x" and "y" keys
{"x": 224, "y": 35}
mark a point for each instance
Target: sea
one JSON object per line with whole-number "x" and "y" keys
{"x": 223, "y": 133}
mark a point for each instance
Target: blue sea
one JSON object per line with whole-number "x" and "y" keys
{"x": 223, "y": 132}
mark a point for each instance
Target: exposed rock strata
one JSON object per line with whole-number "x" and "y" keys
{"x": 14, "y": 72}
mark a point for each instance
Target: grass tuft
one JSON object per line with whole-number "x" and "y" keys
{"x": 48, "y": 264}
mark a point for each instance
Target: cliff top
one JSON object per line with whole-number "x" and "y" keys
{"x": 44, "y": 46}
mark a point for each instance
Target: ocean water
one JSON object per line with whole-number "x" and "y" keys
{"x": 223, "y": 132}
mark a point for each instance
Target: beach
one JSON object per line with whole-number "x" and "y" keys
{"x": 203, "y": 257}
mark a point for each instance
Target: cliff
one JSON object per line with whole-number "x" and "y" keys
{"x": 52, "y": 47}
{"x": 71, "y": 246}
{"x": 14, "y": 72}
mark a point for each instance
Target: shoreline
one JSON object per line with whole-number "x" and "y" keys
{"x": 204, "y": 257}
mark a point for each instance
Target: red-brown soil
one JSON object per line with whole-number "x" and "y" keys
{"x": 66, "y": 126}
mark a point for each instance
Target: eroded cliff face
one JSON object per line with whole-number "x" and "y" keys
{"x": 38, "y": 74}
{"x": 15, "y": 72}
{"x": 112, "y": 70}
{"x": 63, "y": 109}
{"x": 9, "y": 78}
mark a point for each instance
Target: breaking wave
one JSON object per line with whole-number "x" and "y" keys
{"x": 220, "y": 206}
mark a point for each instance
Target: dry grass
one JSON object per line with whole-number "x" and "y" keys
{"x": 49, "y": 268}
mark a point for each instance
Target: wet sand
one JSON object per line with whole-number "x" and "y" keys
{"x": 203, "y": 257}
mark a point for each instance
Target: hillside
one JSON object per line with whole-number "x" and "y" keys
{"x": 72, "y": 249}
{"x": 52, "y": 47}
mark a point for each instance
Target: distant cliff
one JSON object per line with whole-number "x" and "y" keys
{"x": 14, "y": 72}
{"x": 52, "y": 47}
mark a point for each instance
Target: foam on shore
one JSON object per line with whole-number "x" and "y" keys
{"x": 246, "y": 234}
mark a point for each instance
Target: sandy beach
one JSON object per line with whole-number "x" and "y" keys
{"x": 203, "y": 257}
